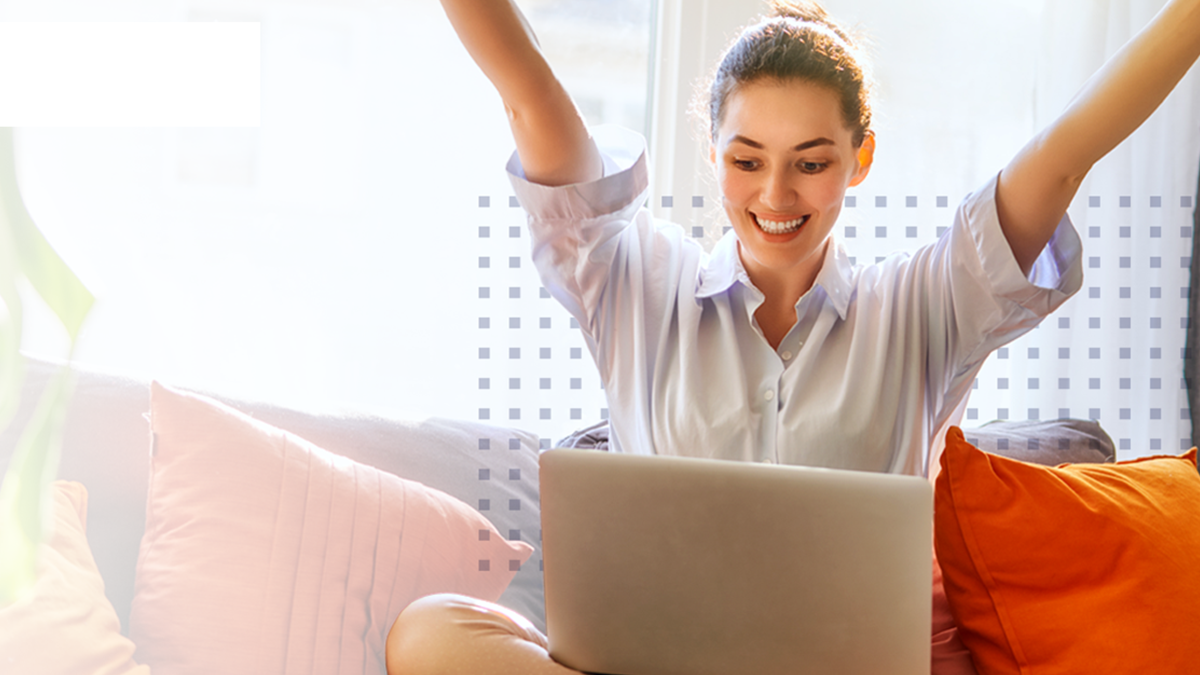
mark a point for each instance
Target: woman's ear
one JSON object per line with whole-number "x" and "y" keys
{"x": 866, "y": 155}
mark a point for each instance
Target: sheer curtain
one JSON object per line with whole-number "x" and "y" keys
{"x": 360, "y": 249}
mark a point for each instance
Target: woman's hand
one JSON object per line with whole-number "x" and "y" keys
{"x": 552, "y": 138}
{"x": 1039, "y": 183}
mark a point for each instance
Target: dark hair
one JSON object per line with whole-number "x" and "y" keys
{"x": 799, "y": 41}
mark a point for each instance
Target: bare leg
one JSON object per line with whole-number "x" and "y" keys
{"x": 455, "y": 634}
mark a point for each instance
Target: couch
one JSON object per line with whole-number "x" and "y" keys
{"x": 118, "y": 466}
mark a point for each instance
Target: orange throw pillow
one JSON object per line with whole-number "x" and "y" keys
{"x": 1081, "y": 568}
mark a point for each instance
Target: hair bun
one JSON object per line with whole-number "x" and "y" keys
{"x": 809, "y": 12}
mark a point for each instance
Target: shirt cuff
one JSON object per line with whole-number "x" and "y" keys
{"x": 626, "y": 177}
{"x": 1056, "y": 274}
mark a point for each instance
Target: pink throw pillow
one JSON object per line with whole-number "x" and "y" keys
{"x": 266, "y": 554}
{"x": 65, "y": 625}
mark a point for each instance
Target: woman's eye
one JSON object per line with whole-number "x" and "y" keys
{"x": 744, "y": 164}
{"x": 812, "y": 167}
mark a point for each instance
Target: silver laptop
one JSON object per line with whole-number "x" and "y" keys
{"x": 674, "y": 566}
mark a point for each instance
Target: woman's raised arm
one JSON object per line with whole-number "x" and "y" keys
{"x": 552, "y": 138}
{"x": 1038, "y": 184}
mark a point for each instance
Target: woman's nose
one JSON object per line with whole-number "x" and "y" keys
{"x": 778, "y": 192}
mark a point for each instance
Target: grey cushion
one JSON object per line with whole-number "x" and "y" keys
{"x": 1052, "y": 442}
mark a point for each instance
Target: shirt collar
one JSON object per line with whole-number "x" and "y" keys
{"x": 725, "y": 267}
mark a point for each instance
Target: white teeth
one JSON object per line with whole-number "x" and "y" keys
{"x": 775, "y": 227}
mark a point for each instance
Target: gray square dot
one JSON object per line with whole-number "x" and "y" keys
{"x": 1156, "y": 383}
{"x": 975, "y": 383}
{"x": 1126, "y": 353}
{"x": 1155, "y": 292}
{"x": 942, "y": 229}
{"x": 485, "y": 202}
{"x": 1185, "y": 413}
{"x": 1126, "y": 201}
{"x": 1185, "y": 232}
{"x": 514, "y": 474}
{"x": 544, "y": 322}
{"x": 576, "y": 352}
{"x": 1093, "y": 292}
{"x": 485, "y": 232}
{"x": 1155, "y": 262}
{"x": 697, "y": 201}
{"x": 1093, "y": 352}
{"x": 972, "y": 413}
{"x": 1064, "y": 413}
{"x": 1093, "y": 232}
{"x": 1093, "y": 322}
{"x": 1126, "y": 292}
{"x": 1126, "y": 414}
{"x": 576, "y": 413}
{"x": 514, "y": 262}
{"x": 1094, "y": 261}
{"x": 543, "y": 293}
{"x": 697, "y": 232}
{"x": 484, "y": 292}
{"x": 668, "y": 201}
{"x": 577, "y": 383}
{"x": 851, "y": 201}
{"x": 544, "y": 383}
{"x": 485, "y": 383}
{"x": 910, "y": 232}
{"x": 514, "y": 352}
{"x": 574, "y": 323}
{"x": 1033, "y": 353}
{"x": 543, "y": 443}
{"x": 1186, "y": 201}
{"x": 514, "y": 292}
{"x": 1155, "y": 203}
{"x": 1002, "y": 353}
{"x": 604, "y": 413}
{"x": 514, "y": 383}
{"x": 943, "y": 202}
{"x": 1125, "y": 232}
{"x": 1002, "y": 383}
{"x": 514, "y": 444}
{"x": 544, "y": 413}
{"x": 1002, "y": 414}
{"x": 1185, "y": 262}
{"x": 1093, "y": 383}
{"x": 1064, "y": 322}
{"x": 1156, "y": 232}
{"x": 1185, "y": 323}
{"x": 485, "y": 323}
{"x": 1093, "y": 413}
{"x": 514, "y": 505}
{"x": 484, "y": 262}
{"x": 1156, "y": 322}
{"x": 514, "y": 413}
{"x": 514, "y": 232}
{"x": 1155, "y": 443}
{"x": 851, "y": 232}
{"x": 485, "y": 413}
{"x": 910, "y": 202}
{"x": 1033, "y": 414}
{"x": 879, "y": 259}
{"x": 1126, "y": 322}
{"x": 1064, "y": 383}
{"x": 485, "y": 444}
{"x": 1064, "y": 352}
{"x": 1033, "y": 383}
{"x": 544, "y": 353}
{"x": 513, "y": 202}
{"x": 1125, "y": 262}
{"x": 514, "y": 535}
{"x": 485, "y": 504}
{"x": 1184, "y": 292}
{"x": 1156, "y": 352}
{"x": 485, "y": 474}
{"x": 881, "y": 202}
{"x": 1093, "y": 201}
{"x": 485, "y": 353}
{"x": 514, "y": 322}
{"x": 1125, "y": 443}
{"x": 1126, "y": 383}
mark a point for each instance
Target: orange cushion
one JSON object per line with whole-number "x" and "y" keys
{"x": 1080, "y": 568}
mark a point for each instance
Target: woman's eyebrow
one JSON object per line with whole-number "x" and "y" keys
{"x": 802, "y": 146}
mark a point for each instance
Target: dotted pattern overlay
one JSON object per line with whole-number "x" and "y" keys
{"x": 1114, "y": 353}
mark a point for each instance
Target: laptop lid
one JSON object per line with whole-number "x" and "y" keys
{"x": 677, "y": 566}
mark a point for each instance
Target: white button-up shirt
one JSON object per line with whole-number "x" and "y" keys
{"x": 879, "y": 360}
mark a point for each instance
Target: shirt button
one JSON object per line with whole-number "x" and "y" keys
{"x": 786, "y": 356}
{"x": 770, "y": 395}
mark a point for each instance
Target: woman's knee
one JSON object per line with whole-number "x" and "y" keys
{"x": 443, "y": 632}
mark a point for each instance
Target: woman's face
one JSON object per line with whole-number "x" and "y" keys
{"x": 784, "y": 158}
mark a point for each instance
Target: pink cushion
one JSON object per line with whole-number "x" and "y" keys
{"x": 65, "y": 625}
{"x": 266, "y": 554}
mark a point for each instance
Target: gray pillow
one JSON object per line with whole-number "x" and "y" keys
{"x": 1048, "y": 443}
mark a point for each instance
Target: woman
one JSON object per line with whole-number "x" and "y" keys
{"x": 775, "y": 348}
